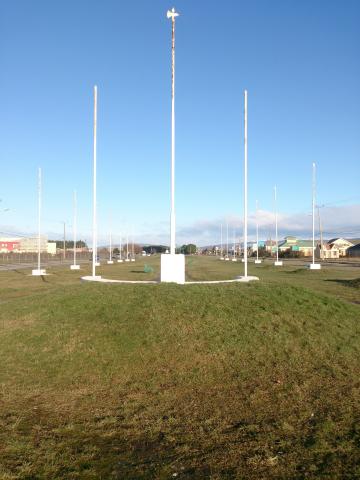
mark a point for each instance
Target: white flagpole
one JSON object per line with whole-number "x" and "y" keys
{"x": 39, "y": 219}
{"x": 172, "y": 14}
{"x": 94, "y": 257}
{"x": 245, "y": 185}
{"x": 313, "y": 209}
{"x": 75, "y": 219}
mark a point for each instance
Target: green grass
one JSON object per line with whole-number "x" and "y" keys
{"x": 252, "y": 381}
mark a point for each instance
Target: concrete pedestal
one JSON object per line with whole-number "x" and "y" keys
{"x": 257, "y": 261}
{"x": 132, "y": 259}
{"x": 243, "y": 260}
{"x": 278, "y": 264}
{"x": 127, "y": 259}
{"x": 120, "y": 261}
{"x": 38, "y": 272}
{"x": 227, "y": 259}
{"x": 173, "y": 268}
{"x": 222, "y": 258}
{"x": 97, "y": 264}
{"x": 74, "y": 267}
{"x": 315, "y": 266}
{"x": 109, "y": 262}
{"x": 234, "y": 259}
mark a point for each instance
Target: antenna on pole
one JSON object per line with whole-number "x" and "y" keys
{"x": 74, "y": 266}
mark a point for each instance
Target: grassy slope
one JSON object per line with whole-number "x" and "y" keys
{"x": 229, "y": 381}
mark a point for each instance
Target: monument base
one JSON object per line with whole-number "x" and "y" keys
{"x": 315, "y": 266}
{"x": 74, "y": 267}
{"x": 38, "y": 272}
{"x": 173, "y": 268}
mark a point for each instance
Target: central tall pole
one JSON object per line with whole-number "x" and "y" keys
{"x": 276, "y": 225}
{"x": 313, "y": 209}
{"x": 172, "y": 14}
{"x": 257, "y": 231}
{"x": 245, "y": 184}
{"x": 94, "y": 257}
{"x": 75, "y": 219}
{"x": 39, "y": 217}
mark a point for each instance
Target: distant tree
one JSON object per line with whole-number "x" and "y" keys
{"x": 116, "y": 250}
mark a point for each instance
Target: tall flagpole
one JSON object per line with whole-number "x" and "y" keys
{"x": 313, "y": 209}
{"x": 94, "y": 257}
{"x": 172, "y": 14}
{"x": 245, "y": 185}
{"x": 39, "y": 218}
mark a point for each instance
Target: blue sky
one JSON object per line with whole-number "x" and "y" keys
{"x": 299, "y": 62}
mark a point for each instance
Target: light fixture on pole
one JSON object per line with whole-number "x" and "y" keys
{"x": 277, "y": 263}
{"x": 39, "y": 271}
{"x": 173, "y": 265}
{"x": 313, "y": 265}
{"x": 75, "y": 266}
{"x": 257, "y": 233}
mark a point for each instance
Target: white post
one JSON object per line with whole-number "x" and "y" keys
{"x": 39, "y": 218}
{"x": 277, "y": 263}
{"x": 94, "y": 257}
{"x": 74, "y": 266}
{"x": 313, "y": 265}
{"x": 257, "y": 233}
{"x": 245, "y": 185}
{"x": 221, "y": 243}
{"x": 120, "y": 258}
{"x": 173, "y": 265}
{"x": 38, "y": 271}
{"x": 313, "y": 210}
{"x": 172, "y": 14}
{"x": 227, "y": 241}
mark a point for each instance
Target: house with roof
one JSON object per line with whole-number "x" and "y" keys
{"x": 292, "y": 244}
{"x": 326, "y": 251}
{"x": 341, "y": 244}
{"x": 353, "y": 251}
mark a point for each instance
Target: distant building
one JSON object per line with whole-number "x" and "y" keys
{"x": 326, "y": 251}
{"x": 293, "y": 244}
{"x": 341, "y": 244}
{"x": 8, "y": 245}
{"x": 51, "y": 248}
{"x": 30, "y": 244}
{"x": 353, "y": 251}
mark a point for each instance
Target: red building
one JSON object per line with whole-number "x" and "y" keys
{"x": 9, "y": 245}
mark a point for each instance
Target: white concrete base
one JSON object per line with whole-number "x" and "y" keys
{"x": 120, "y": 261}
{"x": 243, "y": 260}
{"x": 132, "y": 259}
{"x": 249, "y": 278}
{"x": 234, "y": 259}
{"x": 278, "y": 263}
{"x": 74, "y": 267}
{"x": 257, "y": 261}
{"x": 173, "y": 268}
{"x": 97, "y": 264}
{"x": 110, "y": 262}
{"x": 315, "y": 266}
{"x": 227, "y": 259}
{"x": 127, "y": 259}
{"x": 38, "y": 272}
{"x": 222, "y": 258}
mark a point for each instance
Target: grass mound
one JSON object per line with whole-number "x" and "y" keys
{"x": 228, "y": 381}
